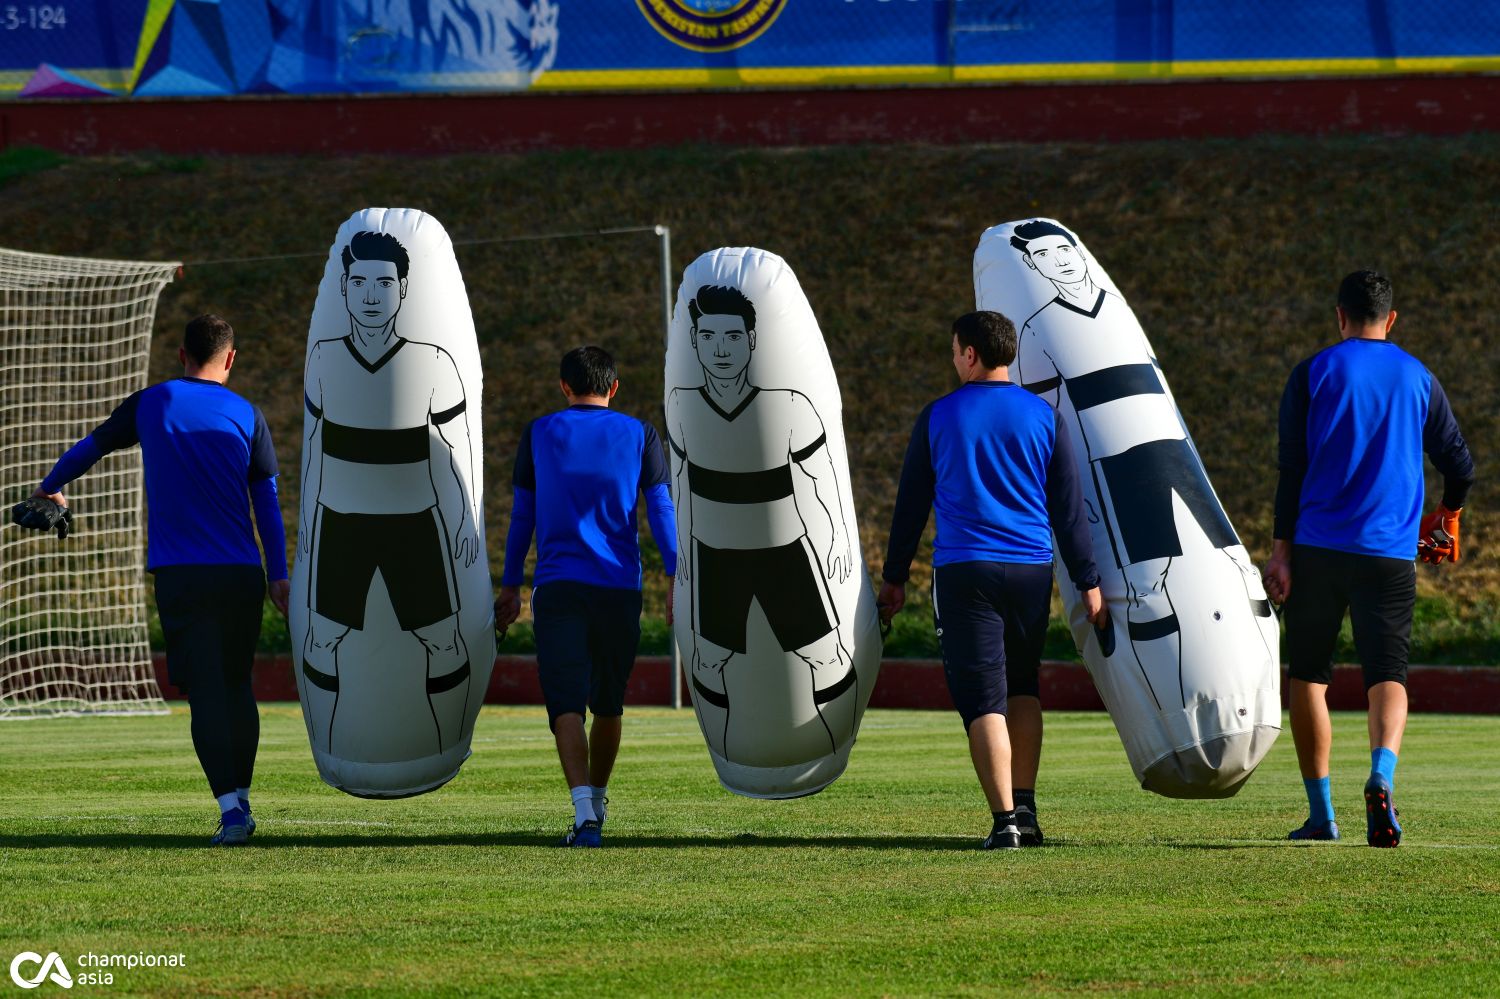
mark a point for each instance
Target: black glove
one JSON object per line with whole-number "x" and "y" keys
{"x": 41, "y": 514}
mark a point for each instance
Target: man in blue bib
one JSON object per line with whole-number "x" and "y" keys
{"x": 1355, "y": 420}
{"x": 996, "y": 462}
{"x": 577, "y": 477}
{"x": 208, "y": 458}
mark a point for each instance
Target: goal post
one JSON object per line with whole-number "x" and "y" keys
{"x": 75, "y": 337}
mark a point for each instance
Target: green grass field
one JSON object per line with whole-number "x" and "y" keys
{"x": 871, "y": 888}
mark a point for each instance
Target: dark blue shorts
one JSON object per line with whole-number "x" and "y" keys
{"x": 586, "y": 637}
{"x": 991, "y": 620}
{"x": 1380, "y": 595}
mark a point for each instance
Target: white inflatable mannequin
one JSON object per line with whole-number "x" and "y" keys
{"x": 776, "y": 619}
{"x": 391, "y": 610}
{"x": 1189, "y": 666}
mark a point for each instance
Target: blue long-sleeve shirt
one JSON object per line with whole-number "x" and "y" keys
{"x": 1355, "y": 420}
{"x": 996, "y": 463}
{"x": 577, "y": 476}
{"x": 208, "y": 457}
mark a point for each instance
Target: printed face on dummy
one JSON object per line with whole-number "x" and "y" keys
{"x": 1056, "y": 259}
{"x": 723, "y": 345}
{"x": 373, "y": 292}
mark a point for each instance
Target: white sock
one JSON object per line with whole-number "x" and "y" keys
{"x": 597, "y": 794}
{"x": 583, "y": 805}
{"x": 243, "y": 793}
{"x": 229, "y": 802}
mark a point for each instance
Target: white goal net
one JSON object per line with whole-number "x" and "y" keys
{"x": 75, "y": 336}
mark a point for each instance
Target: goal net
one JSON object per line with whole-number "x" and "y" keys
{"x": 75, "y": 336}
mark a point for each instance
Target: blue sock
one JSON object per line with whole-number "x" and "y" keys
{"x": 1383, "y": 762}
{"x": 1319, "y": 800}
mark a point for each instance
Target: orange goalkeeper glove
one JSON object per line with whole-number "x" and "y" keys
{"x": 1438, "y": 533}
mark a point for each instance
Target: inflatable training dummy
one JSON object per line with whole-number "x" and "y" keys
{"x": 391, "y": 610}
{"x": 776, "y": 619}
{"x": 1188, "y": 666}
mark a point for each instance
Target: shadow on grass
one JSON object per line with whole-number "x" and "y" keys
{"x": 268, "y": 839}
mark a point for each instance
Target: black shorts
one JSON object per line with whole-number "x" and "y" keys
{"x": 210, "y": 618}
{"x": 409, "y": 551}
{"x": 1379, "y": 594}
{"x": 1141, "y": 482}
{"x": 785, "y": 581}
{"x": 991, "y": 621}
{"x": 586, "y": 637}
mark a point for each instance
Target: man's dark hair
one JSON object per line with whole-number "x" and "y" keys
{"x": 1365, "y": 297}
{"x": 992, "y": 336}
{"x": 206, "y": 337}
{"x": 377, "y": 246}
{"x": 1024, "y": 233}
{"x": 588, "y": 370}
{"x": 720, "y": 300}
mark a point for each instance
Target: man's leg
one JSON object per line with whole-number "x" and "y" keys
{"x": 563, "y": 667}
{"x": 1025, "y": 603}
{"x": 1380, "y": 610}
{"x": 971, "y": 634}
{"x": 192, "y": 626}
{"x": 1311, "y": 729}
{"x": 447, "y": 678}
{"x": 989, "y": 748}
{"x": 1387, "y": 716}
{"x": 1155, "y": 635}
{"x": 835, "y": 687}
{"x": 614, "y": 636}
{"x": 711, "y": 692}
{"x": 320, "y": 675}
{"x": 242, "y": 618}
{"x": 604, "y": 747}
{"x": 1313, "y": 614}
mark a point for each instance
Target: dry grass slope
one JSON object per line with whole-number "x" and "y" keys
{"x": 1229, "y": 253}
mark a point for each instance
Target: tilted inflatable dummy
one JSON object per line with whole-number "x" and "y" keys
{"x": 776, "y": 619}
{"x": 391, "y": 608}
{"x": 1189, "y": 664}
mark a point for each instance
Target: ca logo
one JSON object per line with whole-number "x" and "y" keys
{"x": 53, "y": 963}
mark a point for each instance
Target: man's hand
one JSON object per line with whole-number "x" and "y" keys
{"x": 507, "y": 607}
{"x": 839, "y": 560}
{"x": 44, "y": 512}
{"x": 465, "y": 547}
{"x": 891, "y": 599}
{"x": 281, "y": 594}
{"x": 1277, "y": 575}
{"x": 1096, "y": 609}
{"x": 671, "y": 591}
{"x": 1438, "y": 536}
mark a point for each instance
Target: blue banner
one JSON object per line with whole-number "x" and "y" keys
{"x": 220, "y": 47}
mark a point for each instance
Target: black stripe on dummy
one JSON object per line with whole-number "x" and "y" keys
{"x": 440, "y": 684}
{"x": 830, "y": 693}
{"x": 1044, "y": 386}
{"x": 312, "y": 408}
{"x": 1108, "y": 384}
{"x": 713, "y": 697}
{"x": 803, "y": 454}
{"x": 1146, "y": 631}
{"x": 1262, "y": 608}
{"x": 730, "y": 416}
{"x": 449, "y": 414}
{"x": 319, "y": 679}
{"x": 380, "y": 363}
{"x": 740, "y": 487}
{"x": 375, "y": 447}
